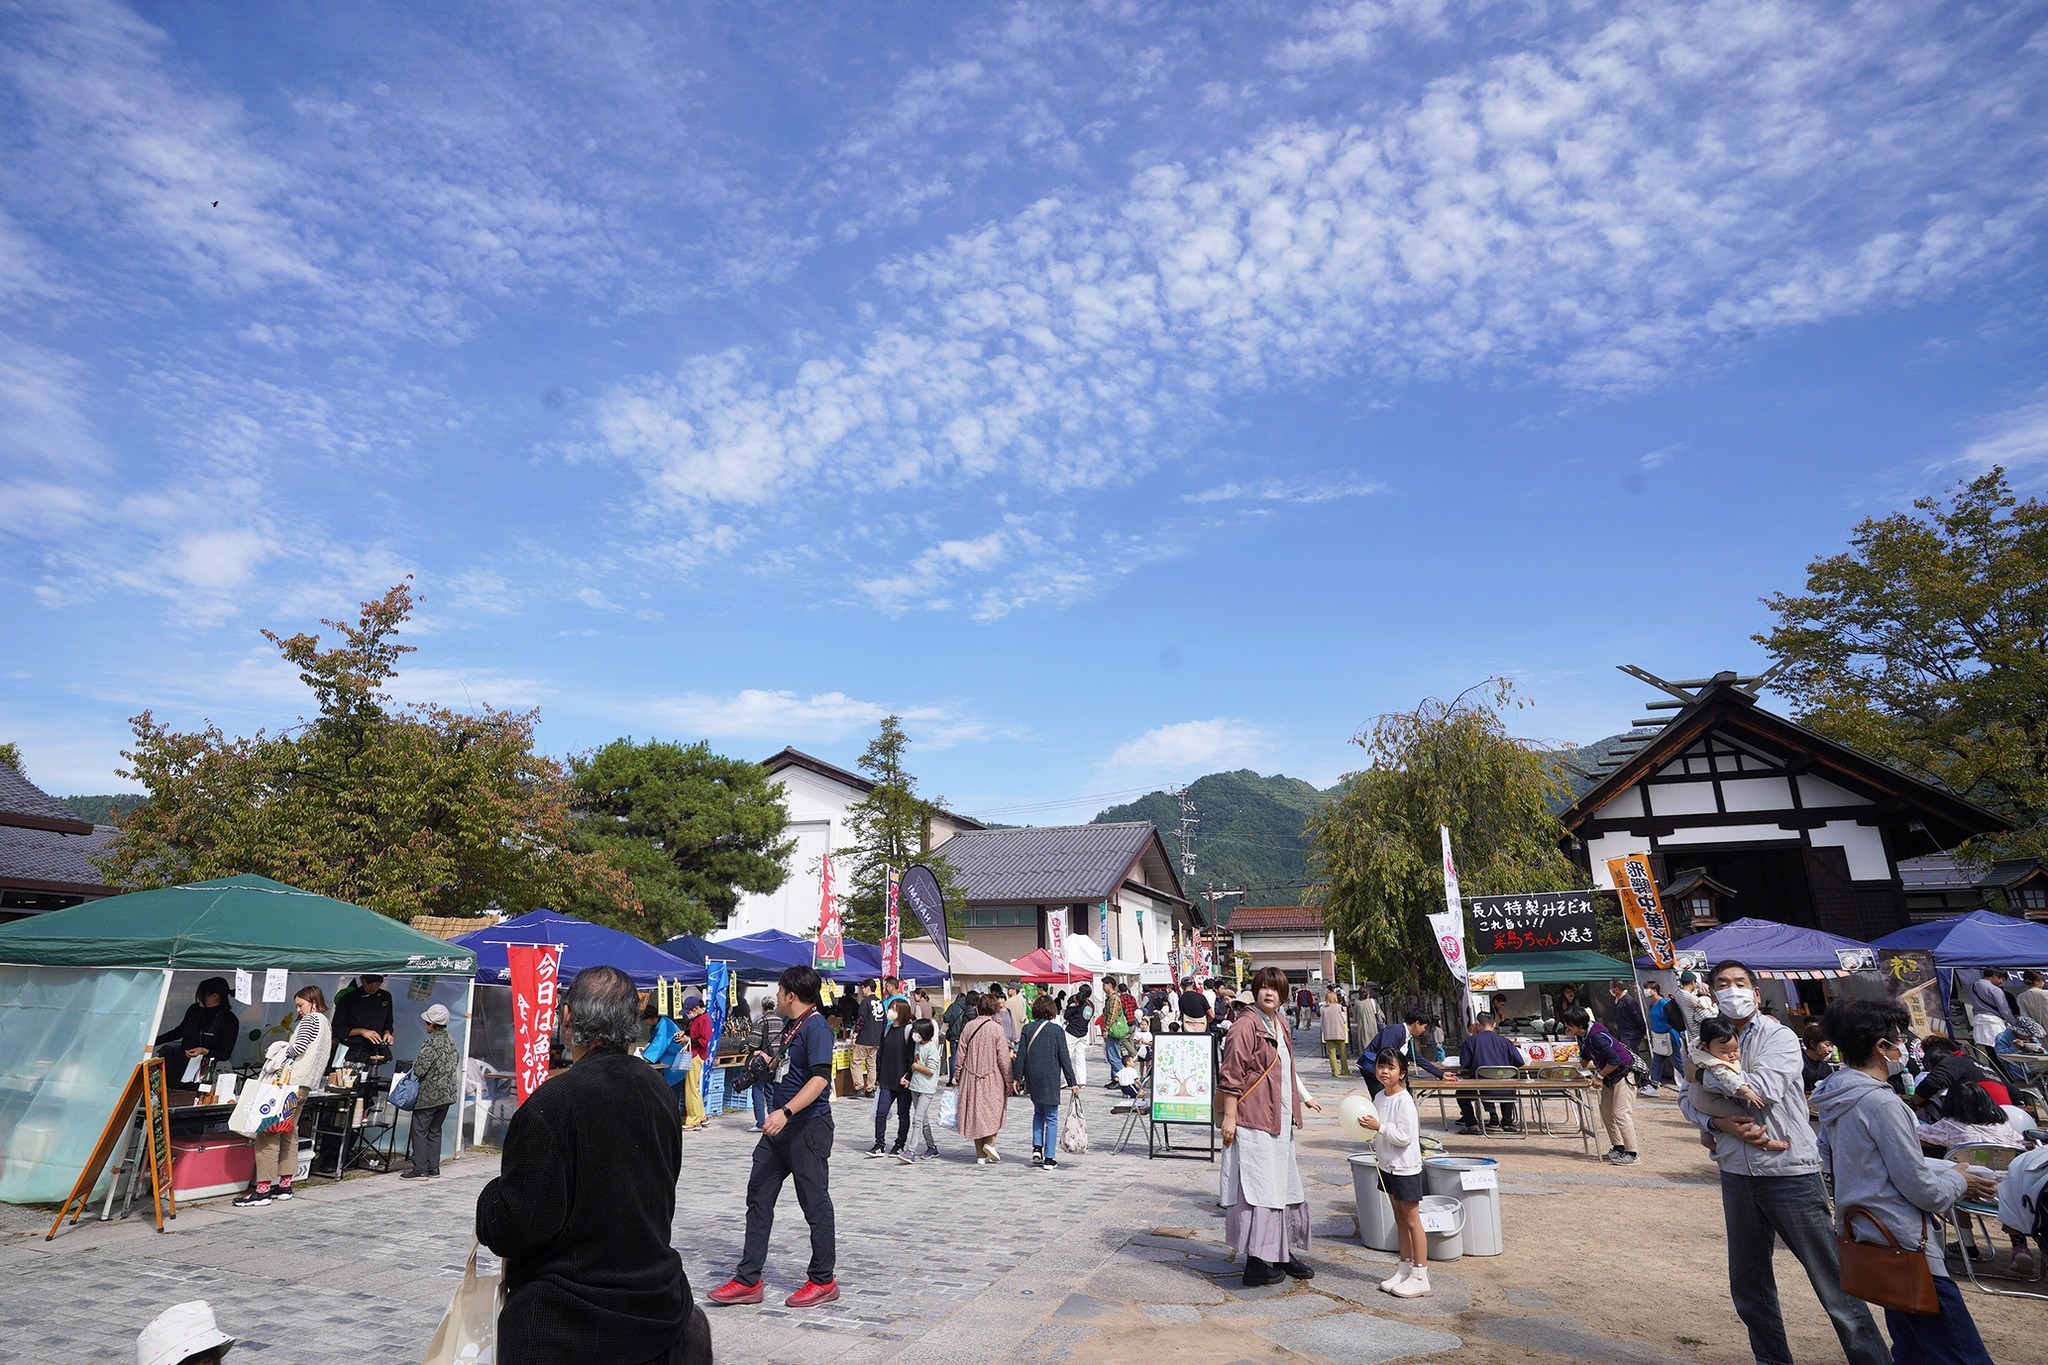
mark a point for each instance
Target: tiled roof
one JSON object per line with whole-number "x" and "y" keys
{"x": 1049, "y": 863}
{"x": 22, "y": 802}
{"x": 1252, "y": 919}
{"x": 41, "y": 855}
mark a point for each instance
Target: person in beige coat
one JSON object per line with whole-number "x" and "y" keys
{"x": 1336, "y": 1031}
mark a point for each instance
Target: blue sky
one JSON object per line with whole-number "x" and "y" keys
{"x": 1117, "y": 391}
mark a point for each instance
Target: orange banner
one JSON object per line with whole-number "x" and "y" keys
{"x": 1638, "y": 889}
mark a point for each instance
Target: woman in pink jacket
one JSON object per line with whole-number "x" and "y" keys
{"x": 1265, "y": 1207}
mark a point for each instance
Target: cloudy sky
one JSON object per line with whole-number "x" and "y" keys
{"x": 1117, "y": 391}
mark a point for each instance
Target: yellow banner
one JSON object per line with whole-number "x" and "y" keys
{"x": 1638, "y": 890}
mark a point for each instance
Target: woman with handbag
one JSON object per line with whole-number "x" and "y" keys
{"x": 299, "y": 1063}
{"x": 983, "y": 1076}
{"x": 1890, "y": 1200}
{"x": 437, "y": 1073}
{"x": 1265, "y": 1206}
{"x": 1042, "y": 1063}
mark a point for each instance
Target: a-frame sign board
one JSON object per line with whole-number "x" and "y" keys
{"x": 146, "y": 1087}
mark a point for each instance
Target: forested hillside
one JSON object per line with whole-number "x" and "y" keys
{"x": 1253, "y": 831}
{"x": 104, "y": 810}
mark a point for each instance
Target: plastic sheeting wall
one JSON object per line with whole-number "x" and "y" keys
{"x": 73, "y": 1036}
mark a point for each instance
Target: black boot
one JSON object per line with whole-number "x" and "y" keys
{"x": 1299, "y": 1269}
{"x": 1258, "y": 1274}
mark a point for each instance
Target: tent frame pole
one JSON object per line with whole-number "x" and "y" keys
{"x": 468, "y": 1024}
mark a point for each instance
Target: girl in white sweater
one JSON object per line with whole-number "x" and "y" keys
{"x": 1398, "y": 1144}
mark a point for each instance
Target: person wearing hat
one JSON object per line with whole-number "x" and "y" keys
{"x": 440, "y": 1074}
{"x": 206, "y": 1032}
{"x": 362, "y": 1019}
{"x": 184, "y": 1334}
{"x": 697, "y": 1026}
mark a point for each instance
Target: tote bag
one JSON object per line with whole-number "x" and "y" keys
{"x": 264, "y": 1105}
{"x": 1073, "y": 1132}
{"x": 468, "y": 1334}
{"x": 949, "y": 1109}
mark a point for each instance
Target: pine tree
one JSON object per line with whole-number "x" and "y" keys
{"x": 891, "y": 829}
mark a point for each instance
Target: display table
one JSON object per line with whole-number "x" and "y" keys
{"x": 1574, "y": 1093}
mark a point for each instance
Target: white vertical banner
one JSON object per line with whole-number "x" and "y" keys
{"x": 1056, "y": 933}
{"x": 1449, "y": 926}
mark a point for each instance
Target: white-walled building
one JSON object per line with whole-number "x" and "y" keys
{"x": 1798, "y": 828}
{"x": 818, "y": 796}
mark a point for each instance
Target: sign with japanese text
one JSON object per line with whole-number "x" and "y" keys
{"x": 892, "y": 934}
{"x": 920, "y": 889}
{"x": 1631, "y": 877}
{"x": 1056, "y": 938}
{"x": 717, "y": 991}
{"x": 535, "y": 969}
{"x": 1448, "y": 927}
{"x": 829, "y": 955}
{"x": 1183, "y": 1078}
{"x": 1910, "y": 982}
{"x": 1534, "y": 922}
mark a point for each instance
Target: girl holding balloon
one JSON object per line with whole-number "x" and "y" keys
{"x": 1397, "y": 1141}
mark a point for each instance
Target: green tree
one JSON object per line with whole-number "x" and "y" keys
{"x": 10, "y": 756}
{"x": 1377, "y": 858}
{"x": 1925, "y": 645}
{"x": 692, "y": 829}
{"x": 891, "y": 829}
{"x": 418, "y": 810}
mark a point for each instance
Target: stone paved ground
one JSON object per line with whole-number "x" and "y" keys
{"x": 1108, "y": 1258}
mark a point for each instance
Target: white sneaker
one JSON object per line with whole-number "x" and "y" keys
{"x": 1416, "y": 1286}
{"x": 1401, "y": 1272}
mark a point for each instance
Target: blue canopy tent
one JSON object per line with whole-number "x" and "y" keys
{"x": 747, "y": 966}
{"x": 1772, "y": 949}
{"x": 1978, "y": 939}
{"x": 864, "y": 963}
{"x": 583, "y": 945}
{"x": 863, "y": 960}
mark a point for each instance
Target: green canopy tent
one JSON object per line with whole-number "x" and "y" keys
{"x": 1577, "y": 966}
{"x": 83, "y": 993}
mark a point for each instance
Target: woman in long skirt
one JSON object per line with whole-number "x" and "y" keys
{"x": 1265, "y": 1207}
{"x": 984, "y": 1080}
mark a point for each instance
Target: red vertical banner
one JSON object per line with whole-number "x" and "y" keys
{"x": 830, "y": 953}
{"x": 892, "y": 935}
{"x": 536, "y": 970}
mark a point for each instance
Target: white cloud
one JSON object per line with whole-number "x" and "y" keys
{"x": 1663, "y": 455}
{"x": 2017, "y": 440}
{"x": 778, "y": 717}
{"x": 1596, "y": 208}
{"x": 1281, "y": 490}
{"x": 43, "y": 403}
{"x": 1187, "y": 748}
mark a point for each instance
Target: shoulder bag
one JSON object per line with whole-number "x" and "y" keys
{"x": 1885, "y": 1273}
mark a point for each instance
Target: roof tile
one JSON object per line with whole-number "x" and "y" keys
{"x": 1047, "y": 863}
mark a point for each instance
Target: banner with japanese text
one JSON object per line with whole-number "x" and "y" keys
{"x": 1056, "y": 937}
{"x": 1534, "y": 922}
{"x": 892, "y": 934}
{"x": 535, "y": 970}
{"x": 830, "y": 953}
{"x": 717, "y": 990}
{"x": 1448, "y": 926}
{"x": 1638, "y": 889}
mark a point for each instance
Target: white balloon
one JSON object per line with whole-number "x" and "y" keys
{"x": 1350, "y": 1110}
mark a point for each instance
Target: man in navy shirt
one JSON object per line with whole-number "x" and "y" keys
{"x": 1397, "y": 1038}
{"x": 1484, "y": 1047}
{"x": 796, "y": 1140}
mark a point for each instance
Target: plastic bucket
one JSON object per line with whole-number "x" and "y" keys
{"x": 1375, "y": 1215}
{"x": 1443, "y": 1226}
{"x": 1475, "y": 1182}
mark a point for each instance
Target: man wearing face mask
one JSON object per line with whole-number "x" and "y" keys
{"x": 1768, "y": 1195}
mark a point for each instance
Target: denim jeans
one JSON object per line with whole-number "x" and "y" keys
{"x": 1045, "y": 1128}
{"x": 760, "y": 1105}
{"x": 1947, "y": 1337}
{"x": 1662, "y": 1067}
{"x": 1760, "y": 1209}
{"x": 1113, "y": 1050}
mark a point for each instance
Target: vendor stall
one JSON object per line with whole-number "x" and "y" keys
{"x": 969, "y": 963}
{"x": 1526, "y": 1013}
{"x": 1963, "y": 946}
{"x": 84, "y": 991}
{"x": 1039, "y": 968}
{"x": 1785, "y": 959}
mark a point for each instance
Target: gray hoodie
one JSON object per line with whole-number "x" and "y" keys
{"x": 1775, "y": 1066}
{"x": 1870, "y": 1145}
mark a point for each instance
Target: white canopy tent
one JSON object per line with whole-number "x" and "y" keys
{"x": 1082, "y": 952}
{"x": 969, "y": 963}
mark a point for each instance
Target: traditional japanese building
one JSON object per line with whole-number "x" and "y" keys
{"x": 1290, "y": 937}
{"x": 46, "y": 851}
{"x": 1776, "y": 821}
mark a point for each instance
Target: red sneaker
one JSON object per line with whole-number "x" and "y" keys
{"x": 732, "y": 1291}
{"x": 813, "y": 1294}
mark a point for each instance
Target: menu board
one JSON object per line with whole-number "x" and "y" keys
{"x": 1533, "y": 922}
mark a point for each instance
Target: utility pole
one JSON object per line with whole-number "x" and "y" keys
{"x": 1185, "y": 831}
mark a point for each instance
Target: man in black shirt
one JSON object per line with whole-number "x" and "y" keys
{"x": 362, "y": 1020}
{"x": 867, "y": 1039}
{"x": 795, "y": 1142}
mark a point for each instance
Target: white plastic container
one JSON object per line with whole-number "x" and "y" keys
{"x": 1475, "y": 1182}
{"x": 1375, "y": 1215}
{"x": 1443, "y": 1226}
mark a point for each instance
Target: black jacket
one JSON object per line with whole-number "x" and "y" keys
{"x": 892, "y": 1063}
{"x": 581, "y": 1211}
{"x": 872, "y": 1021}
{"x": 360, "y": 1009}
{"x": 1629, "y": 1024}
{"x": 1042, "y": 1065}
{"x": 213, "y": 1030}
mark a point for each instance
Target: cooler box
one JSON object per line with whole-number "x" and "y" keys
{"x": 218, "y": 1163}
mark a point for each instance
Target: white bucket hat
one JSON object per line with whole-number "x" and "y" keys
{"x": 436, "y": 1015}
{"x": 183, "y": 1330}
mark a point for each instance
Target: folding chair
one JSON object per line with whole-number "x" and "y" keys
{"x": 1504, "y": 1097}
{"x": 1558, "y": 1072}
{"x": 1996, "y": 1158}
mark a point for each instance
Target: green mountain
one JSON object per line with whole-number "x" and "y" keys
{"x": 1252, "y": 832}
{"x": 104, "y": 810}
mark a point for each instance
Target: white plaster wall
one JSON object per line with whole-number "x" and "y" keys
{"x": 1757, "y": 793}
{"x": 1682, "y": 798}
{"x": 1626, "y": 805}
{"x": 1615, "y": 845}
{"x": 1725, "y": 834}
{"x": 1818, "y": 791}
{"x": 1864, "y": 845}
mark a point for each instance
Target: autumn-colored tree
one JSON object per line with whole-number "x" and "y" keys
{"x": 1925, "y": 645}
{"x": 891, "y": 826}
{"x": 692, "y": 829}
{"x": 1376, "y": 864}
{"x": 407, "y": 810}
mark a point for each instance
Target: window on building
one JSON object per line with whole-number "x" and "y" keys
{"x": 2031, "y": 898}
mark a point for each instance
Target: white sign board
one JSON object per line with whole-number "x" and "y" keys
{"x": 243, "y": 985}
{"x": 273, "y": 985}
{"x": 1439, "y": 1220}
{"x": 1484, "y": 1178}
